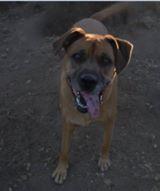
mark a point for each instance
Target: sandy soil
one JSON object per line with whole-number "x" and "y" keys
{"x": 30, "y": 123}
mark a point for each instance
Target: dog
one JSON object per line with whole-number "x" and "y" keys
{"x": 92, "y": 61}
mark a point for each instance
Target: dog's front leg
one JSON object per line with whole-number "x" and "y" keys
{"x": 60, "y": 172}
{"x": 104, "y": 161}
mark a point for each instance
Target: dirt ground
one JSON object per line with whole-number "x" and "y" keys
{"x": 30, "y": 126}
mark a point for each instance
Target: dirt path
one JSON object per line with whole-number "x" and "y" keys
{"x": 29, "y": 116}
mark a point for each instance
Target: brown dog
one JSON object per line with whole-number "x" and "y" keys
{"x": 93, "y": 59}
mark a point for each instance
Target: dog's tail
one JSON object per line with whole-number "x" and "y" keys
{"x": 110, "y": 11}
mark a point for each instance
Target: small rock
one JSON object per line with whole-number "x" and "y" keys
{"x": 92, "y": 181}
{"x": 28, "y": 166}
{"x": 10, "y": 189}
{"x": 149, "y": 105}
{"x": 48, "y": 159}
{"x": 26, "y": 61}
{"x": 29, "y": 174}
{"x": 24, "y": 177}
{"x": 12, "y": 64}
{"x": 7, "y": 50}
{"x": 148, "y": 21}
{"x": 157, "y": 177}
{"x": 28, "y": 81}
{"x": 97, "y": 174}
{"x": 149, "y": 167}
{"x": 102, "y": 174}
{"x": 154, "y": 189}
{"x": 87, "y": 136}
{"x": 22, "y": 19}
{"x": 146, "y": 176}
{"x": 153, "y": 136}
{"x": 133, "y": 167}
{"x": 4, "y": 55}
{"x": 50, "y": 69}
{"x": 15, "y": 185}
{"x": 47, "y": 150}
{"x": 5, "y": 30}
{"x": 108, "y": 182}
{"x": 41, "y": 149}
{"x": 155, "y": 146}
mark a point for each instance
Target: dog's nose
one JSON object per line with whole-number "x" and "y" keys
{"x": 88, "y": 82}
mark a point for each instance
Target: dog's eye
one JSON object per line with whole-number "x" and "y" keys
{"x": 104, "y": 61}
{"x": 79, "y": 56}
{"x": 76, "y": 56}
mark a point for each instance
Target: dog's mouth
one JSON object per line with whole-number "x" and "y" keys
{"x": 88, "y": 101}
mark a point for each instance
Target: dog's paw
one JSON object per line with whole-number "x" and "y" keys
{"x": 60, "y": 173}
{"x": 104, "y": 164}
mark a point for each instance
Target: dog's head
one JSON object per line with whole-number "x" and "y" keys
{"x": 92, "y": 63}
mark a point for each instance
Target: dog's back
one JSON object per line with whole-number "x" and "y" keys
{"x": 91, "y": 26}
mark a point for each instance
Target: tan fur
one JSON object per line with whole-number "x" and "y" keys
{"x": 91, "y": 31}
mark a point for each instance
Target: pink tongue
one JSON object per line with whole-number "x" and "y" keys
{"x": 92, "y": 104}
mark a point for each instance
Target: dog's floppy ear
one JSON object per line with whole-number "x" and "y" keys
{"x": 68, "y": 38}
{"x": 122, "y": 50}
{"x": 74, "y": 34}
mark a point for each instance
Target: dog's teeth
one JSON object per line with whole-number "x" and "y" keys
{"x": 101, "y": 99}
